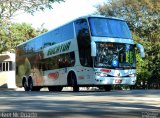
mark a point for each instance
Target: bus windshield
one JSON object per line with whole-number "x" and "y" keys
{"x": 115, "y": 55}
{"x": 106, "y": 27}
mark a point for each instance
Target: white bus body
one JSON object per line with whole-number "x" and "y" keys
{"x": 89, "y": 51}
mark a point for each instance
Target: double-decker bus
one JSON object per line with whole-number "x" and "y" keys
{"x": 88, "y": 51}
{"x": 7, "y": 70}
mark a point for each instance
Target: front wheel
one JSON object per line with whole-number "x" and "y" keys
{"x": 72, "y": 81}
{"x": 107, "y": 87}
{"x": 75, "y": 88}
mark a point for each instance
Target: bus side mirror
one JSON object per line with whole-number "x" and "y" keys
{"x": 93, "y": 49}
{"x": 141, "y": 49}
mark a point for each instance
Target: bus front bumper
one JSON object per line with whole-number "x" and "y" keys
{"x": 115, "y": 80}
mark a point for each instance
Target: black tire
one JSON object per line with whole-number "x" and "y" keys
{"x": 72, "y": 81}
{"x": 30, "y": 84}
{"x": 25, "y": 85}
{"x": 107, "y": 87}
{"x": 76, "y": 88}
{"x": 55, "y": 88}
{"x": 31, "y": 87}
{"x": 132, "y": 87}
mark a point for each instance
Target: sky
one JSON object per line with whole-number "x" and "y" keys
{"x": 61, "y": 13}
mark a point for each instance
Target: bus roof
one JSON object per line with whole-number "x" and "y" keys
{"x": 82, "y": 17}
{"x": 99, "y": 16}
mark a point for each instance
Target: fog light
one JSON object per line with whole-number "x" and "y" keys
{"x": 101, "y": 74}
{"x": 98, "y": 73}
{"x": 104, "y": 75}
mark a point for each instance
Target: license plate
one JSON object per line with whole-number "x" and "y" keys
{"x": 118, "y": 81}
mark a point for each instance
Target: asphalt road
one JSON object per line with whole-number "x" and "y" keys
{"x": 115, "y": 104}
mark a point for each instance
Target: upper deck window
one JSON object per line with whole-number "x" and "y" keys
{"x": 106, "y": 27}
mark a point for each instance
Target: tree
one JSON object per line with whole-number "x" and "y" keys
{"x": 10, "y": 8}
{"x": 11, "y": 34}
{"x": 15, "y": 33}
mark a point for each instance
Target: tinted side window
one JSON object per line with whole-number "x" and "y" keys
{"x": 38, "y": 43}
{"x": 66, "y": 32}
{"x": 59, "y": 61}
{"x": 20, "y": 50}
{"x": 84, "y": 42}
{"x": 58, "y": 35}
{"x": 30, "y": 47}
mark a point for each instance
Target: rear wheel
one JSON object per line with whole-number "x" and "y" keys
{"x": 25, "y": 85}
{"x": 30, "y": 84}
{"x": 31, "y": 87}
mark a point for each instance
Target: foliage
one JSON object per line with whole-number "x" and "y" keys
{"x": 10, "y": 8}
{"x": 13, "y": 34}
{"x": 143, "y": 17}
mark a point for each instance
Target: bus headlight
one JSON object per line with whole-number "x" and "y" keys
{"x": 101, "y": 74}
